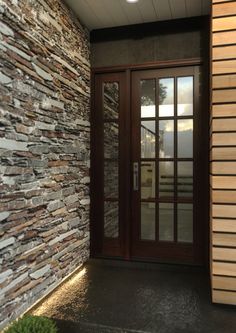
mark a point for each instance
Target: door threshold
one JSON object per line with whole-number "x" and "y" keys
{"x": 146, "y": 265}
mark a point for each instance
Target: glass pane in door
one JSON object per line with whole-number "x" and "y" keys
{"x": 148, "y": 98}
{"x": 166, "y": 222}
{"x": 185, "y": 179}
{"x": 166, "y": 180}
{"x": 111, "y": 219}
{"x": 111, "y": 179}
{"x": 111, "y": 151}
{"x": 148, "y": 180}
{"x": 111, "y": 100}
{"x": 185, "y": 96}
{"x": 166, "y": 97}
{"x": 148, "y": 139}
{"x": 166, "y": 138}
{"x": 148, "y": 221}
{"x": 185, "y": 138}
{"x": 111, "y": 140}
{"x": 185, "y": 223}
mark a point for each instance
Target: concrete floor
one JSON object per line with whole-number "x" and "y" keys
{"x": 119, "y": 297}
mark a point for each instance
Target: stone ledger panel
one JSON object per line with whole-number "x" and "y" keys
{"x": 44, "y": 150}
{"x": 223, "y": 152}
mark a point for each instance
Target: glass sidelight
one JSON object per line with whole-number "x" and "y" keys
{"x": 111, "y": 158}
{"x": 166, "y": 159}
{"x": 109, "y": 164}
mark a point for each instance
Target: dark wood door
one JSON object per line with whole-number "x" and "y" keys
{"x": 166, "y": 157}
{"x": 149, "y": 166}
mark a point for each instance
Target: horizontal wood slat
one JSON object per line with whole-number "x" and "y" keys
{"x": 223, "y": 225}
{"x": 223, "y": 196}
{"x": 224, "y": 268}
{"x": 224, "y": 110}
{"x": 223, "y": 52}
{"x": 224, "y": 9}
{"x": 224, "y": 211}
{"x": 224, "y": 168}
{"x": 225, "y": 23}
{"x": 223, "y": 67}
{"x": 219, "y": 125}
{"x": 227, "y": 182}
{"x": 223, "y": 254}
{"x": 224, "y": 81}
{"x": 224, "y": 239}
{"x": 222, "y": 96}
{"x": 223, "y": 282}
{"x": 224, "y": 38}
{"x": 224, "y": 297}
{"x": 226, "y": 153}
{"x": 224, "y": 139}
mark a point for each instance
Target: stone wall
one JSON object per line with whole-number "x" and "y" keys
{"x": 44, "y": 150}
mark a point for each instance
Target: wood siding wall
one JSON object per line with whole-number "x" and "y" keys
{"x": 223, "y": 152}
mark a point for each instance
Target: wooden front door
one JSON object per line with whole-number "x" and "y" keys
{"x": 148, "y": 171}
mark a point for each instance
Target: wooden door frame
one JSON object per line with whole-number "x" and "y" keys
{"x": 95, "y": 247}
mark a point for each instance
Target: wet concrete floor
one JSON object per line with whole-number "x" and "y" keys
{"x": 137, "y": 298}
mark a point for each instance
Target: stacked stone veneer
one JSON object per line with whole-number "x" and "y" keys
{"x": 44, "y": 150}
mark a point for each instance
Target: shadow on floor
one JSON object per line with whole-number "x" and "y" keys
{"x": 113, "y": 298}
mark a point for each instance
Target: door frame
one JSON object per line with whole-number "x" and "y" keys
{"x": 96, "y": 236}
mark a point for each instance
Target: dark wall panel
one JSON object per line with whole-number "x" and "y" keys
{"x": 182, "y": 39}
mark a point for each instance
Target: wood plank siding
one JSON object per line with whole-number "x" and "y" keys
{"x": 223, "y": 152}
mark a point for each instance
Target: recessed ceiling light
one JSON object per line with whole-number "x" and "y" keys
{"x": 132, "y": 1}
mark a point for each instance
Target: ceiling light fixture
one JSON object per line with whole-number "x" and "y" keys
{"x": 132, "y": 1}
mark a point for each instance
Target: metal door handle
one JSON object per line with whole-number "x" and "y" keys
{"x": 135, "y": 176}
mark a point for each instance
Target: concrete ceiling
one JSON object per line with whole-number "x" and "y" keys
{"x": 98, "y": 14}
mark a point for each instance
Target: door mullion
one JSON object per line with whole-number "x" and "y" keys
{"x": 157, "y": 159}
{"x": 175, "y": 160}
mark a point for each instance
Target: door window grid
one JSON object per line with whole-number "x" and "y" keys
{"x": 186, "y": 181}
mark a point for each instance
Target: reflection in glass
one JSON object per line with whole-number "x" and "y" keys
{"x": 148, "y": 223}
{"x": 111, "y": 179}
{"x": 111, "y": 140}
{"x": 166, "y": 221}
{"x": 185, "y": 138}
{"x": 166, "y": 138}
{"x": 185, "y": 96}
{"x": 185, "y": 179}
{"x": 185, "y": 223}
{"x": 166, "y": 180}
{"x": 148, "y": 137}
{"x": 148, "y": 182}
{"x": 111, "y": 100}
{"x": 111, "y": 219}
{"x": 148, "y": 104}
{"x": 166, "y": 97}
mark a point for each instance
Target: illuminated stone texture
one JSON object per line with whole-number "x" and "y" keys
{"x": 44, "y": 150}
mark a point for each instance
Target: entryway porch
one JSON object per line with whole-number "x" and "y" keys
{"x": 122, "y": 297}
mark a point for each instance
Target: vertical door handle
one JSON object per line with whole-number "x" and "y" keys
{"x": 135, "y": 176}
